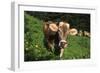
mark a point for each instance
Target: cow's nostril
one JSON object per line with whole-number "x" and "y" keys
{"x": 63, "y": 44}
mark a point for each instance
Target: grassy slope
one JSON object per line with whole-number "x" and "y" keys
{"x": 78, "y": 47}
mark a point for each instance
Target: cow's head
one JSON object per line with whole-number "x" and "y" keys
{"x": 63, "y": 30}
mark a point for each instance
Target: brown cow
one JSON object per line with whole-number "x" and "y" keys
{"x": 86, "y": 33}
{"x": 50, "y": 29}
{"x": 55, "y": 36}
{"x": 63, "y": 33}
{"x": 73, "y": 31}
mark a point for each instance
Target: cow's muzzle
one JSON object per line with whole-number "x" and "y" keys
{"x": 63, "y": 44}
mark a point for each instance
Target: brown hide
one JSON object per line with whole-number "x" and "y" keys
{"x": 55, "y": 35}
{"x": 49, "y": 30}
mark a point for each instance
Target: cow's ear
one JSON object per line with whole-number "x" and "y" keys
{"x": 53, "y": 27}
{"x": 61, "y": 24}
{"x": 68, "y": 26}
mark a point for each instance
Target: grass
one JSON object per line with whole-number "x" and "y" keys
{"x": 34, "y": 49}
{"x": 78, "y": 48}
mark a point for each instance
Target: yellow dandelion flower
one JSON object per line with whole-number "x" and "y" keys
{"x": 36, "y": 46}
{"x": 26, "y": 48}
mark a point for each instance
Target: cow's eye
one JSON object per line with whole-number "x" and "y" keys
{"x": 58, "y": 30}
{"x": 59, "y": 26}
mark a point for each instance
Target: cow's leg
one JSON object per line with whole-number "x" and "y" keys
{"x": 50, "y": 45}
{"x": 61, "y": 52}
